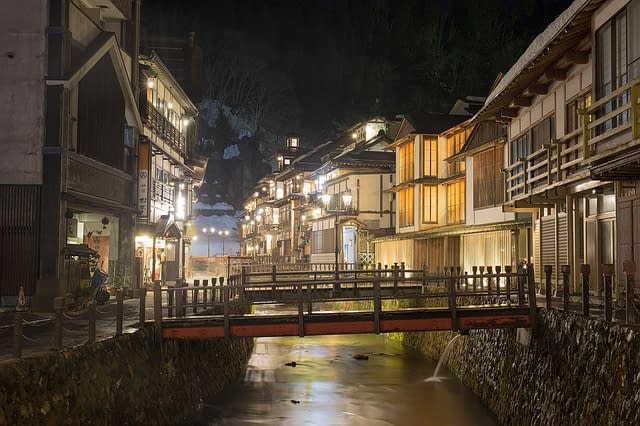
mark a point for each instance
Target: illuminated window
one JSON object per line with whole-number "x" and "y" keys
{"x": 405, "y": 165}
{"x": 405, "y": 207}
{"x": 430, "y": 157}
{"x": 454, "y": 144}
{"x": 429, "y": 204}
{"x": 455, "y": 202}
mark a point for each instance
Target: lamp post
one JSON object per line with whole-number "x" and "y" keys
{"x": 209, "y": 232}
{"x": 223, "y": 234}
{"x": 346, "y": 202}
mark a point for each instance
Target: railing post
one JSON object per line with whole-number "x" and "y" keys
{"x": 58, "y": 307}
{"x": 178, "y": 299}
{"x": 508, "y": 269}
{"x": 92, "y": 322}
{"x": 395, "y": 278}
{"x": 607, "y": 278}
{"x": 195, "y": 298}
{"x": 498, "y": 268}
{"x": 273, "y": 282}
{"x": 585, "y": 270}
{"x": 17, "y": 334}
{"x": 548, "y": 270}
{"x": 377, "y": 305}
{"x": 475, "y": 272}
{"x": 184, "y": 292}
{"x": 171, "y": 296}
{"x": 142, "y": 294}
{"x": 521, "y": 280}
{"x": 532, "y": 294}
{"x": 157, "y": 309}
{"x": 205, "y": 293}
{"x": 226, "y": 311}
{"x": 489, "y": 279}
{"x": 629, "y": 269}
{"x": 300, "y": 311}
{"x": 565, "y": 287}
{"x": 452, "y": 302}
{"x": 424, "y": 278}
{"x": 481, "y": 270}
{"x": 119, "y": 311}
{"x": 215, "y": 291}
{"x": 458, "y": 271}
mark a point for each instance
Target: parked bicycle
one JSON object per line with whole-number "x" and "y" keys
{"x": 101, "y": 295}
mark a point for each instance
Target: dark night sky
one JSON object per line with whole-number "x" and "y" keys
{"x": 317, "y": 65}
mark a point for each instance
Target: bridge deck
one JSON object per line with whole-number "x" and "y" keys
{"x": 477, "y": 301}
{"x": 341, "y": 322}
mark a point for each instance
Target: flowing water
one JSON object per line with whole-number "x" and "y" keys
{"x": 329, "y": 385}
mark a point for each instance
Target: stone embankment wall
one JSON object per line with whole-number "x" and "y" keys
{"x": 575, "y": 370}
{"x": 126, "y": 380}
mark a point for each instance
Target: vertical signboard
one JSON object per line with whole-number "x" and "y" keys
{"x": 143, "y": 179}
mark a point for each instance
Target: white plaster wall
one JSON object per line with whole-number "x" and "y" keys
{"x": 22, "y": 70}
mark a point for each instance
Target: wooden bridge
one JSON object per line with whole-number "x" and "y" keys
{"x": 360, "y": 301}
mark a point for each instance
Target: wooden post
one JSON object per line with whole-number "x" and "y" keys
{"x": 521, "y": 280}
{"x": 377, "y": 305}
{"x": 205, "y": 293}
{"x": 458, "y": 271}
{"x": 395, "y": 278}
{"x": 184, "y": 292}
{"x": 157, "y": 309}
{"x": 498, "y": 269}
{"x": 548, "y": 270}
{"x": 607, "y": 282}
{"x": 178, "y": 299}
{"x": 226, "y": 311}
{"x": 629, "y": 269}
{"x": 171, "y": 293}
{"x": 508, "y": 269}
{"x": 565, "y": 287}
{"x": 585, "y": 270}
{"x": 273, "y": 282}
{"x": 475, "y": 272}
{"x": 452, "y": 302}
{"x": 300, "y": 311}
{"x": 215, "y": 290}
{"x": 489, "y": 279}
{"x": 18, "y": 334}
{"x": 481, "y": 270}
{"x": 92, "y": 322}
{"x": 58, "y": 307}
{"x": 195, "y": 298}
{"x": 119, "y": 311}
{"x": 142, "y": 294}
{"x": 531, "y": 287}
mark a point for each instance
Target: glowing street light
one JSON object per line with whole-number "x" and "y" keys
{"x": 209, "y": 232}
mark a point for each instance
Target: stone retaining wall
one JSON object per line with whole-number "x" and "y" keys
{"x": 575, "y": 371}
{"x": 129, "y": 379}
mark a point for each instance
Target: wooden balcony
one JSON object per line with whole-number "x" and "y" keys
{"x": 612, "y": 134}
{"x": 611, "y": 131}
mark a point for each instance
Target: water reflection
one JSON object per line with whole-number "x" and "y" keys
{"x": 328, "y": 386}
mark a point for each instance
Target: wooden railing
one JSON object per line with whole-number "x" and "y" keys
{"x": 459, "y": 301}
{"x": 610, "y": 116}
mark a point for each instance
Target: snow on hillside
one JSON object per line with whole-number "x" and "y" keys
{"x": 215, "y": 241}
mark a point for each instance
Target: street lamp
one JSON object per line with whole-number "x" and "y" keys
{"x": 223, "y": 234}
{"x": 209, "y": 232}
{"x": 346, "y": 202}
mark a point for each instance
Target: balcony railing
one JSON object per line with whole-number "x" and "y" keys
{"x": 163, "y": 128}
{"x": 609, "y": 117}
{"x": 556, "y": 163}
{"x": 563, "y": 160}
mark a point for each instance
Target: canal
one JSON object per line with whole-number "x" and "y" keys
{"x": 342, "y": 380}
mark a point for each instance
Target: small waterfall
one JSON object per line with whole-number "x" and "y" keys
{"x": 443, "y": 357}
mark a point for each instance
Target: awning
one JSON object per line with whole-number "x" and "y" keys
{"x": 624, "y": 166}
